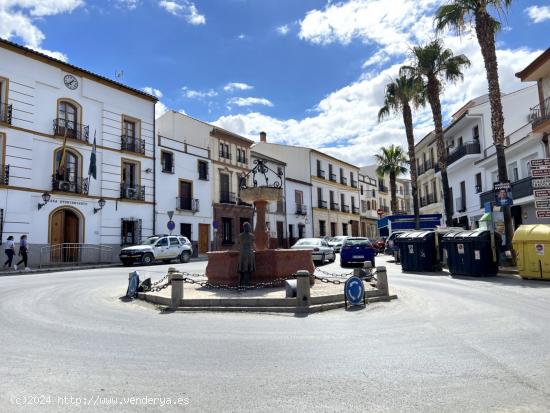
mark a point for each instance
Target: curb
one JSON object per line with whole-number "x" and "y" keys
{"x": 56, "y": 269}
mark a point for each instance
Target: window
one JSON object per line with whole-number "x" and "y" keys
{"x": 130, "y": 231}
{"x": 475, "y": 132}
{"x": 322, "y": 228}
{"x": 301, "y": 230}
{"x": 67, "y": 122}
{"x": 174, "y": 241}
{"x": 361, "y": 189}
{"x": 5, "y": 109}
{"x": 478, "y": 183}
{"x": 227, "y": 231}
{"x": 333, "y": 229}
{"x": 460, "y": 142}
{"x": 186, "y": 230}
{"x": 241, "y": 155}
{"x": 344, "y": 229}
{"x": 68, "y": 115}
{"x": 224, "y": 151}
{"x": 331, "y": 175}
{"x": 67, "y": 175}
{"x": 291, "y": 232}
{"x": 185, "y": 200}
{"x": 167, "y": 162}
{"x": 203, "y": 170}
{"x": 129, "y": 129}
{"x": 163, "y": 242}
{"x": 130, "y": 179}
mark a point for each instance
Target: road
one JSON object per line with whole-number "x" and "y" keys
{"x": 447, "y": 344}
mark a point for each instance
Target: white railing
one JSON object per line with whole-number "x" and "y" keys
{"x": 75, "y": 254}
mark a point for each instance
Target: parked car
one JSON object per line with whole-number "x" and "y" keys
{"x": 163, "y": 248}
{"x": 336, "y": 242}
{"x": 357, "y": 250}
{"x": 391, "y": 246}
{"x": 321, "y": 251}
{"x": 379, "y": 245}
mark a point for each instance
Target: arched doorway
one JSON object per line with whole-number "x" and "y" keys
{"x": 66, "y": 233}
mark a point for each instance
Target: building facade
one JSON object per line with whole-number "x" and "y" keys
{"x": 52, "y": 116}
{"x": 369, "y": 206}
{"x": 430, "y": 193}
{"x": 183, "y": 178}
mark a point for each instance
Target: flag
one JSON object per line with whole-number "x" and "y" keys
{"x": 92, "y": 170}
{"x": 61, "y": 165}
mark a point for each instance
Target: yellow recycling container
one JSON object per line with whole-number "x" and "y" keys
{"x": 532, "y": 246}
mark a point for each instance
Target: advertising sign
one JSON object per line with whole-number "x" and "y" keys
{"x": 543, "y": 213}
{"x": 503, "y": 193}
{"x": 542, "y": 203}
{"x": 541, "y": 182}
{"x": 541, "y": 193}
{"x": 540, "y": 173}
{"x": 537, "y": 163}
{"x": 460, "y": 248}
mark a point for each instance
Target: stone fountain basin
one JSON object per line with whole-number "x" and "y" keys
{"x": 270, "y": 265}
{"x": 261, "y": 193}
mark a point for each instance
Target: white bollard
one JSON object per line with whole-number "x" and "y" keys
{"x": 303, "y": 290}
{"x": 176, "y": 284}
{"x": 382, "y": 280}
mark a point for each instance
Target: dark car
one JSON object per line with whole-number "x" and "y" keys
{"x": 356, "y": 250}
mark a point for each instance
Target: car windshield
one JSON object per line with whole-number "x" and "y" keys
{"x": 149, "y": 241}
{"x": 307, "y": 241}
{"x": 358, "y": 242}
{"x": 337, "y": 239}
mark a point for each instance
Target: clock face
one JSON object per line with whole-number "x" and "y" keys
{"x": 70, "y": 81}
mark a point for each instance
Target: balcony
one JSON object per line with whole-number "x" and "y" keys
{"x": 386, "y": 209}
{"x": 382, "y": 188}
{"x": 227, "y": 197}
{"x": 187, "y": 204}
{"x": 460, "y": 205}
{"x": 5, "y": 113}
{"x": 520, "y": 189}
{"x": 301, "y": 209}
{"x": 540, "y": 113}
{"x": 322, "y": 204}
{"x": 132, "y": 192}
{"x": 320, "y": 173}
{"x": 468, "y": 148}
{"x": 334, "y": 206}
{"x": 69, "y": 183}
{"x": 73, "y": 130}
{"x": 332, "y": 177}
{"x": 4, "y": 174}
{"x": 425, "y": 167}
{"x": 132, "y": 144}
{"x": 431, "y": 199}
{"x": 345, "y": 208}
{"x": 242, "y": 159}
{"x": 343, "y": 180}
{"x": 353, "y": 183}
{"x": 225, "y": 155}
{"x": 354, "y": 209}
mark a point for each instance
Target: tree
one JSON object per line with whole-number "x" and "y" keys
{"x": 458, "y": 15}
{"x": 391, "y": 161}
{"x": 399, "y": 95}
{"x": 432, "y": 65}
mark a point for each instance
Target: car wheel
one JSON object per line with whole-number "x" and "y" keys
{"x": 185, "y": 256}
{"x": 333, "y": 258}
{"x": 323, "y": 258}
{"x": 147, "y": 259}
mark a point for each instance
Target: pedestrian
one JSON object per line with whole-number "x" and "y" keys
{"x": 23, "y": 252}
{"x": 10, "y": 251}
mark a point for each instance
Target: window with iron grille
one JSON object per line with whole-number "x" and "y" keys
{"x": 203, "y": 170}
{"x": 130, "y": 231}
{"x": 1, "y": 225}
{"x": 167, "y": 161}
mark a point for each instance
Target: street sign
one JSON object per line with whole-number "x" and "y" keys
{"x": 540, "y": 172}
{"x": 171, "y": 225}
{"x": 541, "y": 182}
{"x": 542, "y": 203}
{"x": 354, "y": 290}
{"x": 543, "y": 213}
{"x": 380, "y": 212}
{"x": 541, "y": 193}
{"x": 537, "y": 163}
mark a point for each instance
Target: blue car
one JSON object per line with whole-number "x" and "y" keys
{"x": 356, "y": 250}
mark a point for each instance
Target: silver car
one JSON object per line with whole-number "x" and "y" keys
{"x": 336, "y": 242}
{"x": 320, "y": 250}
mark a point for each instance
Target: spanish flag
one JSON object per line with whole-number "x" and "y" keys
{"x": 61, "y": 166}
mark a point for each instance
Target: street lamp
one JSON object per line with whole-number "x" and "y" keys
{"x": 101, "y": 202}
{"x": 46, "y": 198}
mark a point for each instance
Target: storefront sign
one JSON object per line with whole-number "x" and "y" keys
{"x": 541, "y": 193}
{"x": 503, "y": 193}
{"x": 542, "y": 203}
{"x": 543, "y": 213}
{"x": 67, "y": 202}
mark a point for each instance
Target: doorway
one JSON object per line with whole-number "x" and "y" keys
{"x": 65, "y": 235}
{"x": 204, "y": 238}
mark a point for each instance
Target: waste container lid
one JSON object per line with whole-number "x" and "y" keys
{"x": 476, "y": 233}
{"x": 413, "y": 235}
{"x": 537, "y": 232}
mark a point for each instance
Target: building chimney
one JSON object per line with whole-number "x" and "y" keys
{"x": 263, "y": 137}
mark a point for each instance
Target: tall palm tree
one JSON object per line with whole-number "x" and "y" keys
{"x": 433, "y": 63}
{"x": 400, "y": 95}
{"x": 458, "y": 15}
{"x": 391, "y": 161}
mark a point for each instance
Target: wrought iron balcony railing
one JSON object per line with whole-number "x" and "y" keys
{"x": 133, "y": 144}
{"x": 354, "y": 209}
{"x": 133, "y": 192}
{"x": 520, "y": 189}
{"x": 242, "y": 159}
{"x": 353, "y": 183}
{"x": 187, "y": 204}
{"x": 382, "y": 188}
{"x": 334, "y": 206}
{"x": 345, "y": 208}
{"x": 321, "y": 204}
{"x": 332, "y": 177}
{"x": 4, "y": 174}
{"x": 343, "y": 180}
{"x": 70, "y": 183}
{"x": 72, "y": 129}
{"x": 468, "y": 148}
{"x": 301, "y": 209}
{"x": 320, "y": 173}
{"x": 227, "y": 197}
{"x": 540, "y": 113}
{"x": 224, "y": 154}
{"x": 5, "y": 113}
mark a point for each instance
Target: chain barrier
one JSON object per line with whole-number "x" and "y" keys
{"x": 158, "y": 286}
{"x": 205, "y": 284}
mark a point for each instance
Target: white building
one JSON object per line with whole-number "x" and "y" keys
{"x": 183, "y": 178}
{"x": 383, "y": 195}
{"x": 369, "y": 205}
{"x": 430, "y": 194}
{"x": 44, "y": 100}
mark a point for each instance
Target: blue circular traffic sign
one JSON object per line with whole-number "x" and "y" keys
{"x": 171, "y": 225}
{"x": 354, "y": 291}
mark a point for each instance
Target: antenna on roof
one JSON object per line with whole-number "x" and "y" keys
{"x": 119, "y": 74}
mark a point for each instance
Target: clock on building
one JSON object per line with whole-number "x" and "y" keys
{"x": 71, "y": 82}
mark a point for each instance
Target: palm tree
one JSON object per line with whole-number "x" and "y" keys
{"x": 391, "y": 161}
{"x": 457, "y": 15}
{"x": 434, "y": 64}
{"x": 400, "y": 94}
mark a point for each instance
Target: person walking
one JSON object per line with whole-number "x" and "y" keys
{"x": 23, "y": 252}
{"x": 10, "y": 252}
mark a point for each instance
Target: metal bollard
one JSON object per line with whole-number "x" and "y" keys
{"x": 367, "y": 265}
{"x": 382, "y": 280}
{"x": 176, "y": 282}
{"x": 290, "y": 288}
{"x": 303, "y": 293}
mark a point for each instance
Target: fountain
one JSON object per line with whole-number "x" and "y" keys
{"x": 271, "y": 264}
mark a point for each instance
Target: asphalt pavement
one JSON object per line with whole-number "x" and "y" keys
{"x": 446, "y": 345}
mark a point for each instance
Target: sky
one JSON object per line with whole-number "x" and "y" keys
{"x": 307, "y": 72}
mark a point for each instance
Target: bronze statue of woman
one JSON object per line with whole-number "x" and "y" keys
{"x": 247, "y": 261}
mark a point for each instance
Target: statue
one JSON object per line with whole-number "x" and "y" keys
{"x": 247, "y": 261}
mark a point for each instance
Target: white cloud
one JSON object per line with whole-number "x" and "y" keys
{"x": 241, "y": 36}
{"x": 538, "y": 14}
{"x": 17, "y": 19}
{"x": 152, "y": 91}
{"x": 128, "y": 4}
{"x": 198, "y": 94}
{"x": 56, "y": 55}
{"x": 283, "y": 30}
{"x": 233, "y": 86}
{"x": 184, "y": 8}
{"x": 250, "y": 101}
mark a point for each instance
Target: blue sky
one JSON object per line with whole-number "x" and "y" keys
{"x": 309, "y": 72}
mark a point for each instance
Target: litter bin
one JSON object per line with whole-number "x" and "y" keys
{"x": 418, "y": 251}
{"x": 472, "y": 252}
{"x": 532, "y": 246}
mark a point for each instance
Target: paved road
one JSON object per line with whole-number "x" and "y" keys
{"x": 447, "y": 344}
